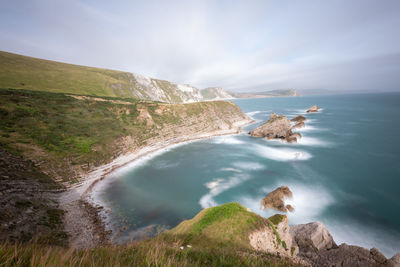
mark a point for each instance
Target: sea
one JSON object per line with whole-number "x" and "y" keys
{"x": 343, "y": 172}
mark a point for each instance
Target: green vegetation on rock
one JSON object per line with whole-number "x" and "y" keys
{"x": 217, "y": 236}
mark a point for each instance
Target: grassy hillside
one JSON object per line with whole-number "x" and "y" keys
{"x": 215, "y": 237}
{"x": 22, "y": 72}
{"x": 68, "y": 134}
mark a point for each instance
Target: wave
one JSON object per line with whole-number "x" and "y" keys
{"x": 165, "y": 164}
{"x": 281, "y": 154}
{"x": 246, "y": 165}
{"x": 308, "y": 128}
{"x": 219, "y": 185}
{"x": 311, "y": 141}
{"x": 230, "y": 170}
{"x": 252, "y": 113}
{"x": 229, "y": 140}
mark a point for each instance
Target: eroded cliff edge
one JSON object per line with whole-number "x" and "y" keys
{"x": 65, "y": 137}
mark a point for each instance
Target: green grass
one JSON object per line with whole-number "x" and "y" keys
{"x": 227, "y": 225}
{"x": 64, "y": 130}
{"x": 277, "y": 218}
{"x": 217, "y": 236}
{"x": 154, "y": 252}
{"x": 22, "y": 72}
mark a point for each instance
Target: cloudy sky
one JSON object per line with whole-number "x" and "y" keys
{"x": 239, "y": 45}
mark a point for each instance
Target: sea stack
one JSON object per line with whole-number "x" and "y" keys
{"x": 277, "y": 127}
{"x": 298, "y": 119}
{"x": 276, "y": 199}
{"x": 314, "y": 108}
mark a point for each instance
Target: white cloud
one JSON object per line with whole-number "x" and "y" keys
{"x": 239, "y": 45}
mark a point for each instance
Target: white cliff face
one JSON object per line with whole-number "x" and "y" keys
{"x": 158, "y": 90}
{"x": 215, "y": 93}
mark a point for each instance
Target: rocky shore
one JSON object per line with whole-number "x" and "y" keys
{"x": 310, "y": 244}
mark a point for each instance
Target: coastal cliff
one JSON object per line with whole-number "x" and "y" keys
{"x": 65, "y": 137}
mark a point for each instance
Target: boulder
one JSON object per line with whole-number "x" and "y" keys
{"x": 276, "y": 199}
{"x": 346, "y": 255}
{"x": 298, "y": 125}
{"x": 289, "y": 208}
{"x": 312, "y": 237}
{"x": 377, "y": 255}
{"x": 394, "y": 261}
{"x": 314, "y": 108}
{"x": 298, "y": 118}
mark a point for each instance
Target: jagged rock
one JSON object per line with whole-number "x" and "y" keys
{"x": 298, "y": 118}
{"x": 377, "y": 255}
{"x": 312, "y": 237}
{"x": 394, "y": 261}
{"x": 314, "y": 108}
{"x": 346, "y": 255}
{"x": 275, "y": 239}
{"x": 277, "y": 127}
{"x": 289, "y": 208}
{"x": 275, "y": 199}
{"x": 298, "y": 125}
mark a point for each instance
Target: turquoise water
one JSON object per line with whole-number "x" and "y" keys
{"x": 345, "y": 172}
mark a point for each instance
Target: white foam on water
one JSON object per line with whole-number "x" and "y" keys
{"x": 217, "y": 186}
{"x": 230, "y": 140}
{"x": 165, "y": 164}
{"x": 247, "y": 165}
{"x": 308, "y": 128}
{"x": 308, "y": 202}
{"x": 252, "y": 113}
{"x": 230, "y": 170}
{"x": 311, "y": 141}
{"x": 281, "y": 154}
{"x": 214, "y": 183}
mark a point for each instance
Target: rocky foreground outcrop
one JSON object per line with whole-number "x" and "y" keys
{"x": 277, "y": 127}
{"x": 310, "y": 244}
{"x": 317, "y": 247}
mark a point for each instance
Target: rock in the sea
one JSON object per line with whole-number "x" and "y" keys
{"x": 289, "y": 208}
{"x": 277, "y": 127}
{"x": 298, "y": 125}
{"x": 314, "y": 108}
{"x": 276, "y": 199}
{"x": 312, "y": 237}
{"x": 298, "y": 118}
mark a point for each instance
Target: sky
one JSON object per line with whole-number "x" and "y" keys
{"x": 238, "y": 45}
